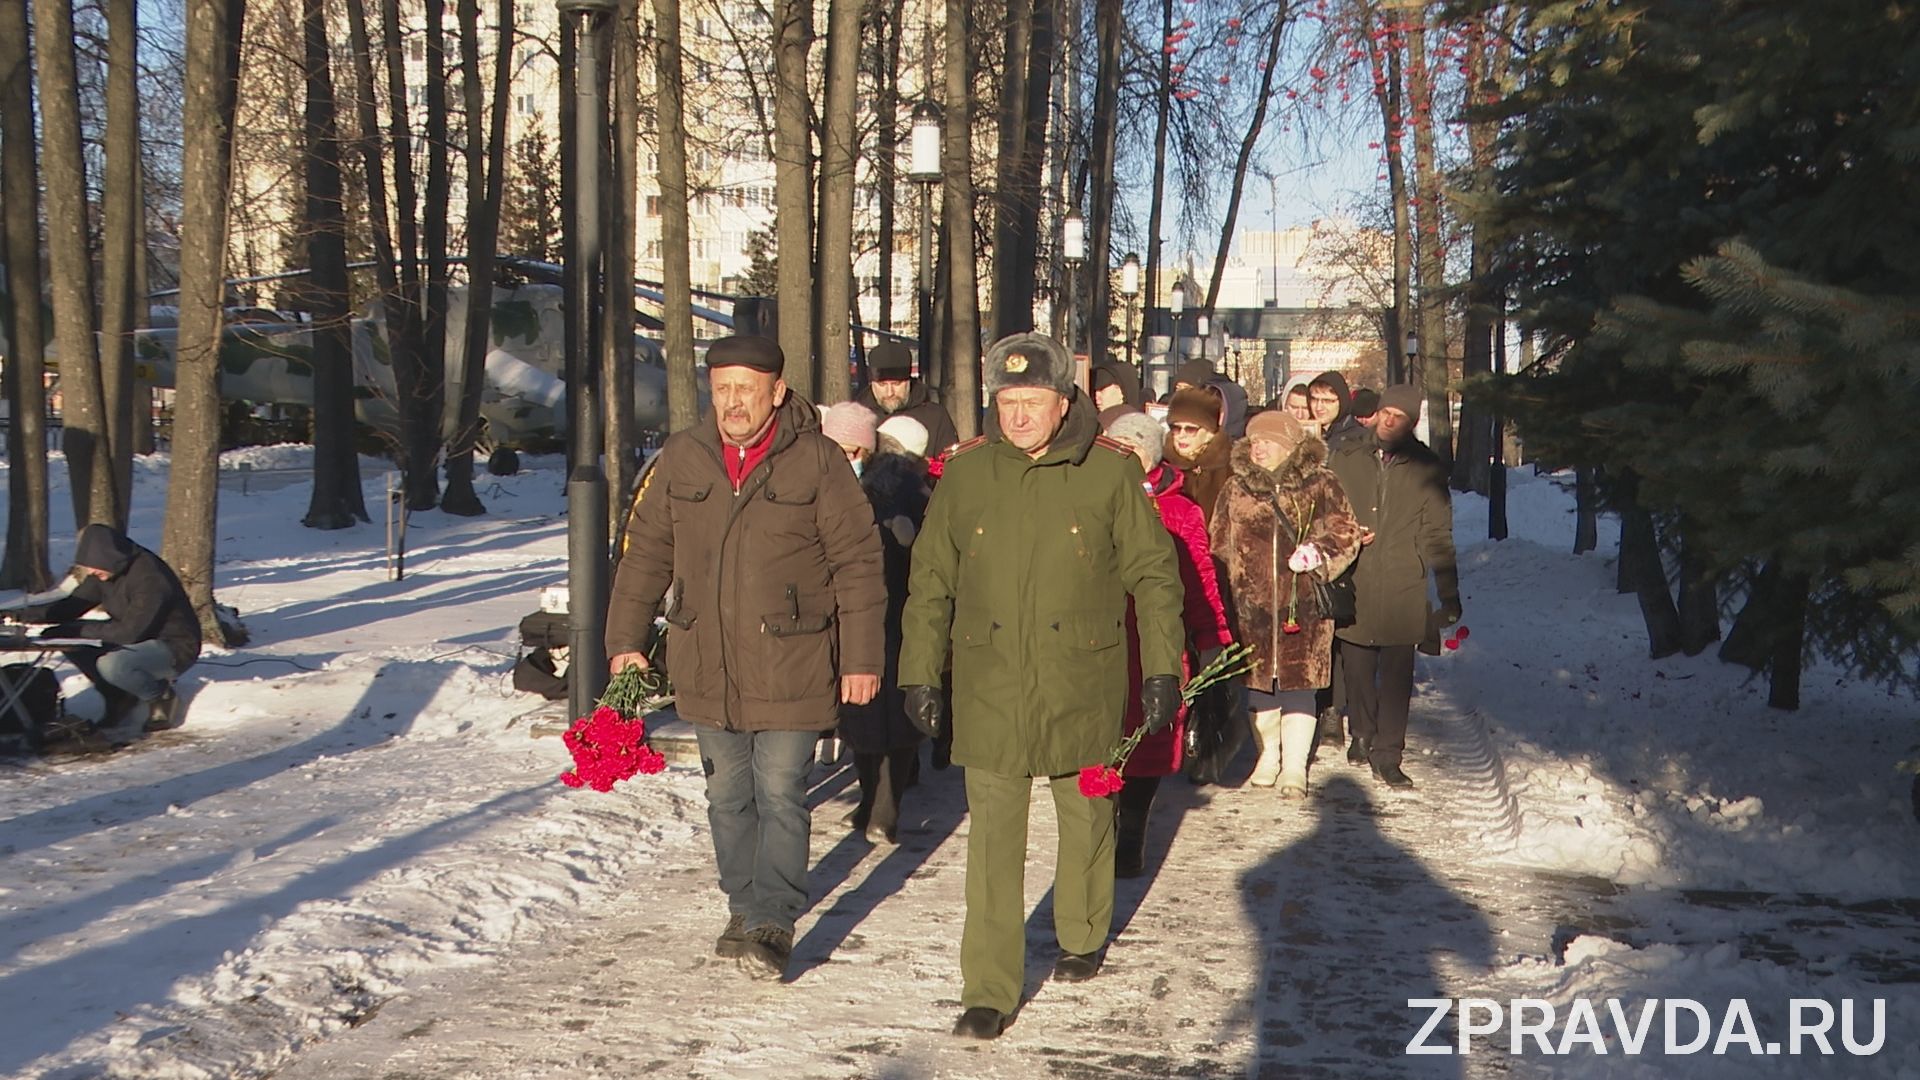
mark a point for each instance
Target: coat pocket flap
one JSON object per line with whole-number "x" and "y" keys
{"x": 1091, "y": 631}
{"x": 791, "y": 497}
{"x": 786, "y": 624}
{"x": 689, "y": 492}
{"x": 973, "y": 629}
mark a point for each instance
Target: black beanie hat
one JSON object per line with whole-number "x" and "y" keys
{"x": 889, "y": 360}
{"x": 746, "y": 350}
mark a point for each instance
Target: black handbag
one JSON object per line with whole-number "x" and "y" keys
{"x": 1336, "y": 599}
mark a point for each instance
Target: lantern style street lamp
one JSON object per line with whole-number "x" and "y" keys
{"x": 1178, "y": 306}
{"x": 1130, "y": 288}
{"x": 923, "y": 168}
{"x": 1073, "y": 248}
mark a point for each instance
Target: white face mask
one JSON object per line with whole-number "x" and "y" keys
{"x": 858, "y": 465}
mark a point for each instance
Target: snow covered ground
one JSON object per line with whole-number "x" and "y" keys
{"x": 354, "y": 861}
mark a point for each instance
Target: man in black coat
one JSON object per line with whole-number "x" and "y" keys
{"x": 150, "y": 634}
{"x": 893, "y": 391}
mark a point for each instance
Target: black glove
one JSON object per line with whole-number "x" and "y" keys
{"x": 62, "y": 630}
{"x": 1449, "y": 612}
{"x": 1159, "y": 701}
{"x": 926, "y": 710}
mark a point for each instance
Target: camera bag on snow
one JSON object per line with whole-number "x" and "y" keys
{"x": 543, "y": 668}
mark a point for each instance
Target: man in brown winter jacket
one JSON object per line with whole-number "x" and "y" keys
{"x": 755, "y": 532}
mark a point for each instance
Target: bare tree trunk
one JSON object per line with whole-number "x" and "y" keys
{"x": 837, "y": 174}
{"x": 1699, "y": 595}
{"x": 373, "y": 170}
{"x": 430, "y": 397}
{"x": 1770, "y": 632}
{"x": 1479, "y": 441}
{"x": 616, "y": 381}
{"x": 1247, "y": 144}
{"x": 1157, "y": 198}
{"x": 1108, "y": 19}
{"x": 886, "y": 84}
{"x": 1586, "y": 511}
{"x": 213, "y": 34}
{"x": 406, "y": 340}
{"x": 120, "y": 236}
{"x": 1026, "y": 87}
{"x": 26, "y": 559}
{"x": 1009, "y": 316}
{"x": 669, "y": 83}
{"x": 486, "y": 180}
{"x": 337, "y": 501}
{"x": 962, "y": 348}
{"x": 1384, "y": 54}
{"x": 793, "y": 196}
{"x": 86, "y": 439}
{"x": 1435, "y": 378}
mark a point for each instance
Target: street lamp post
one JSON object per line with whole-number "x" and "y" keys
{"x": 1177, "y": 305}
{"x": 923, "y": 168}
{"x": 1204, "y": 327}
{"x": 1412, "y": 357}
{"x": 1073, "y": 248}
{"x": 1130, "y": 288}
{"x": 587, "y": 519}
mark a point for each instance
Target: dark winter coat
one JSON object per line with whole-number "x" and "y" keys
{"x": 1233, "y": 397}
{"x": 143, "y": 599}
{"x": 1402, "y": 496}
{"x": 1205, "y": 474}
{"x": 1023, "y": 570}
{"x": 1263, "y": 516}
{"x": 896, "y": 486}
{"x": 921, "y": 406}
{"x": 1204, "y": 616}
{"x": 777, "y": 589}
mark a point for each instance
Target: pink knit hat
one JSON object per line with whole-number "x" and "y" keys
{"x": 850, "y": 424}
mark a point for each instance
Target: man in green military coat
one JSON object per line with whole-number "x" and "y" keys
{"x": 1034, "y": 540}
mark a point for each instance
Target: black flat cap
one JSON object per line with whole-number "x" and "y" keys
{"x": 744, "y": 350}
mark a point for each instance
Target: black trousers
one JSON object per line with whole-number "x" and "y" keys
{"x": 1379, "y": 693}
{"x": 883, "y": 779}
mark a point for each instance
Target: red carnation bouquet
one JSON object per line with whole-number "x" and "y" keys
{"x": 610, "y": 743}
{"x": 1098, "y": 781}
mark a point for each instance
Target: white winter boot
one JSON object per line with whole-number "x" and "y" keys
{"x": 1266, "y": 738}
{"x": 1297, "y": 733}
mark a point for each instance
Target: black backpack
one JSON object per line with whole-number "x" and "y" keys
{"x": 39, "y": 698}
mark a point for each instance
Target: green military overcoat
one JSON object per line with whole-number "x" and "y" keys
{"x": 1023, "y": 569}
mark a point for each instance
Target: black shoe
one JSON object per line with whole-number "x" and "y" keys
{"x": 1358, "y": 750}
{"x": 1391, "y": 776}
{"x": 1330, "y": 727}
{"x": 1078, "y": 967}
{"x": 732, "y": 942}
{"x": 163, "y": 712}
{"x": 981, "y": 1022}
{"x": 765, "y": 954}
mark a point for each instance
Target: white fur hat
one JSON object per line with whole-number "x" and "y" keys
{"x": 911, "y": 434}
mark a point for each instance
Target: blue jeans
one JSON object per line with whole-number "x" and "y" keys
{"x": 757, "y": 808}
{"x": 142, "y": 669}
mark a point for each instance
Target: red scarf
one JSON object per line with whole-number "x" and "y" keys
{"x": 742, "y": 460}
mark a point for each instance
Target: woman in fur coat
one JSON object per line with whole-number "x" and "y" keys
{"x": 1204, "y": 615}
{"x": 1283, "y": 522}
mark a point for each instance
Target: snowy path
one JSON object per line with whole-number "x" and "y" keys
{"x": 1246, "y": 952}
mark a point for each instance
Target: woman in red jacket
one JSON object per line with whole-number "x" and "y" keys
{"x": 1159, "y": 754}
